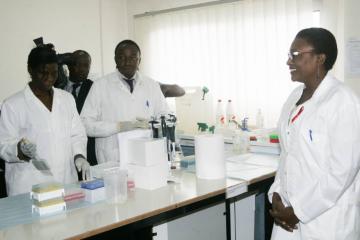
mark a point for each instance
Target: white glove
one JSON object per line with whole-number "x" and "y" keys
{"x": 84, "y": 167}
{"x": 28, "y": 148}
{"x": 139, "y": 123}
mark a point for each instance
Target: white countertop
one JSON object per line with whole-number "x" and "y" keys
{"x": 100, "y": 217}
{"x": 92, "y": 219}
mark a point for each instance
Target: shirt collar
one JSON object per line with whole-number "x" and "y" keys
{"x": 71, "y": 83}
{"x": 325, "y": 85}
{"x": 135, "y": 77}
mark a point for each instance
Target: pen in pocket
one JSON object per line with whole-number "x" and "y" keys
{"x": 310, "y": 134}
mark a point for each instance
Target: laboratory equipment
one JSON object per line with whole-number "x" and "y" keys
{"x": 46, "y": 191}
{"x": 49, "y": 206}
{"x": 240, "y": 141}
{"x": 73, "y": 194}
{"x": 220, "y": 116}
{"x": 97, "y": 171}
{"x": 244, "y": 124}
{"x": 167, "y": 125}
{"x": 147, "y": 151}
{"x": 205, "y": 90}
{"x": 202, "y": 127}
{"x": 230, "y": 115}
{"x": 259, "y": 120}
{"x": 115, "y": 182}
{"x": 93, "y": 184}
{"x": 193, "y": 108}
{"x": 42, "y": 166}
{"x": 265, "y": 141}
{"x": 47, "y": 198}
{"x": 274, "y": 138}
{"x": 150, "y": 177}
{"x": 124, "y": 139}
{"x": 210, "y": 156}
{"x": 95, "y": 195}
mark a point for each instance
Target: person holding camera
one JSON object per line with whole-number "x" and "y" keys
{"x": 41, "y": 123}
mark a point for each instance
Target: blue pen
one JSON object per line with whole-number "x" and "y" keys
{"x": 310, "y": 134}
{"x": 147, "y": 103}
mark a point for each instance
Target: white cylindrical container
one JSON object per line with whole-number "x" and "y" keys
{"x": 210, "y": 156}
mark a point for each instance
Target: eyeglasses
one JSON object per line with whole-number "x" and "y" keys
{"x": 293, "y": 54}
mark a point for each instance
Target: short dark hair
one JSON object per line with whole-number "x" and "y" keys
{"x": 323, "y": 42}
{"x": 126, "y": 43}
{"x": 78, "y": 54}
{"x": 42, "y": 54}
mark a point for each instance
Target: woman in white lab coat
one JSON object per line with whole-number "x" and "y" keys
{"x": 117, "y": 101}
{"x": 41, "y": 122}
{"x": 316, "y": 193}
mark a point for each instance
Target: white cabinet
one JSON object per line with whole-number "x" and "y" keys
{"x": 210, "y": 223}
{"x": 161, "y": 232}
{"x": 207, "y": 224}
{"x": 242, "y": 218}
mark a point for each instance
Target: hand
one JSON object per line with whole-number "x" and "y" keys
{"x": 142, "y": 123}
{"x": 139, "y": 123}
{"x": 83, "y": 166}
{"x": 283, "y": 216}
{"x": 26, "y": 149}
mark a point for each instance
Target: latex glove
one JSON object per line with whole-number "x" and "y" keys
{"x": 83, "y": 166}
{"x": 139, "y": 123}
{"x": 142, "y": 123}
{"x": 28, "y": 148}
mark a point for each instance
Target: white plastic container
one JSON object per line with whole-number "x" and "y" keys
{"x": 95, "y": 195}
{"x": 147, "y": 151}
{"x": 150, "y": 177}
{"x": 115, "y": 182}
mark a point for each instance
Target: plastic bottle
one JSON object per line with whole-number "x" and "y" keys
{"x": 259, "y": 120}
{"x": 220, "y": 116}
{"x": 230, "y": 115}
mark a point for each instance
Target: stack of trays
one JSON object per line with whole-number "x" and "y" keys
{"x": 48, "y": 198}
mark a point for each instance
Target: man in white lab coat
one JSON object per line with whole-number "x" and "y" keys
{"x": 316, "y": 193}
{"x": 41, "y": 122}
{"x": 121, "y": 101}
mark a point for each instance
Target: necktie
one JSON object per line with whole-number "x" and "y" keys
{"x": 74, "y": 88}
{"x": 130, "y": 82}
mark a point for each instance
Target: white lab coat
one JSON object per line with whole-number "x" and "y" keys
{"x": 59, "y": 135}
{"x": 319, "y": 166}
{"x": 110, "y": 101}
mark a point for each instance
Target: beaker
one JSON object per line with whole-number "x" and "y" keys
{"x": 115, "y": 182}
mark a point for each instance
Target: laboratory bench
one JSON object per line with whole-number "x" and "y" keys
{"x": 187, "y": 208}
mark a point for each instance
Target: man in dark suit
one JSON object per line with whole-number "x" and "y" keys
{"x": 79, "y": 86}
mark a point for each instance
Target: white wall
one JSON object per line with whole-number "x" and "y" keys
{"x": 93, "y": 25}
{"x": 352, "y": 31}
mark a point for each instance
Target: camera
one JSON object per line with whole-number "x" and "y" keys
{"x": 62, "y": 59}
